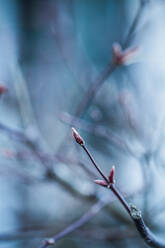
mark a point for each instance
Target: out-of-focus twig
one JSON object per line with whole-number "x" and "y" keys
{"x": 100, "y": 131}
{"x": 93, "y": 88}
{"x": 29, "y": 233}
{"x": 107, "y": 235}
{"x": 135, "y": 22}
{"x": 99, "y": 81}
{"x": 75, "y": 225}
{"x": 45, "y": 161}
{"x": 22, "y": 95}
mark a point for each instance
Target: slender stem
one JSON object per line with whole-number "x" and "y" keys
{"x": 120, "y": 197}
{"x": 134, "y": 23}
{"x": 134, "y": 213}
{"x": 109, "y": 185}
{"x": 94, "y": 163}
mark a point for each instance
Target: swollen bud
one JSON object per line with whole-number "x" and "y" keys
{"x": 101, "y": 182}
{"x": 112, "y": 175}
{"x": 77, "y": 137}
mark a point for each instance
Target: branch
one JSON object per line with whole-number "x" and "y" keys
{"x": 28, "y": 233}
{"x": 46, "y": 161}
{"x": 92, "y": 90}
{"x": 99, "y": 81}
{"x": 99, "y": 131}
{"x": 135, "y": 22}
{"x": 77, "y": 224}
{"x": 134, "y": 213}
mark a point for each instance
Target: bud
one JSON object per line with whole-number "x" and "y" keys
{"x": 3, "y": 89}
{"x": 112, "y": 175}
{"x": 116, "y": 49}
{"x": 101, "y": 182}
{"x": 8, "y": 153}
{"x": 51, "y": 241}
{"x": 117, "y": 54}
{"x": 77, "y": 137}
{"x": 123, "y": 57}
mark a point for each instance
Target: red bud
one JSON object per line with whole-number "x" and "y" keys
{"x": 101, "y": 182}
{"x": 77, "y": 137}
{"x": 3, "y": 89}
{"x": 112, "y": 175}
{"x": 8, "y": 153}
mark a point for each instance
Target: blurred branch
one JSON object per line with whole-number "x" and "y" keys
{"x": 69, "y": 188}
{"x": 95, "y": 86}
{"x": 100, "y": 131}
{"x": 84, "y": 104}
{"x": 10, "y": 171}
{"x": 99, "y": 81}
{"x": 135, "y": 22}
{"x": 37, "y": 233}
{"x": 22, "y": 96}
{"x": 39, "y": 154}
{"x": 108, "y": 235}
{"x": 77, "y": 224}
{"x": 66, "y": 160}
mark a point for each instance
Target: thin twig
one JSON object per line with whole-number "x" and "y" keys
{"x": 94, "y": 163}
{"x": 135, "y": 22}
{"x": 134, "y": 213}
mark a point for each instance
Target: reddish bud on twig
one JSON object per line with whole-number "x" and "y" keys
{"x": 123, "y": 57}
{"x": 8, "y": 153}
{"x": 3, "y": 89}
{"x": 77, "y": 137}
{"x": 112, "y": 175}
{"x": 101, "y": 182}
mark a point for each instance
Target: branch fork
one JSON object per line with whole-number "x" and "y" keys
{"x": 123, "y": 57}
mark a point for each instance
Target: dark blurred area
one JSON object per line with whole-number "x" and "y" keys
{"x": 53, "y": 52}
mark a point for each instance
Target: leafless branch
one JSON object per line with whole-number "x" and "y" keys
{"x": 134, "y": 213}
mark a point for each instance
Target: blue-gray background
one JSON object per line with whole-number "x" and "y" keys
{"x": 50, "y": 52}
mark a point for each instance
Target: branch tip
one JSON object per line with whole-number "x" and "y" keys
{"x": 77, "y": 137}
